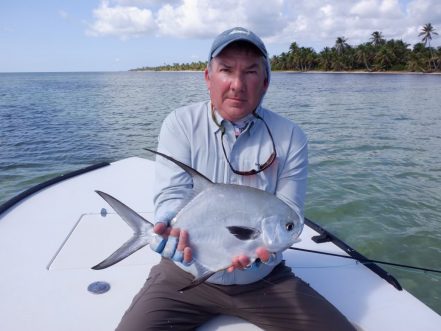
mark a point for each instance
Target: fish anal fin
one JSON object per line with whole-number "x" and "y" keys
{"x": 244, "y": 232}
{"x": 197, "y": 281}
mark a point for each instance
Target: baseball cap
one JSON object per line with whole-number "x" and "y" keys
{"x": 236, "y": 34}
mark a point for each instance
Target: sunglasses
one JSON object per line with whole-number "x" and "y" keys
{"x": 260, "y": 167}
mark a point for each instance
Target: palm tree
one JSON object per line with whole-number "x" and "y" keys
{"x": 437, "y": 60}
{"x": 341, "y": 44}
{"x": 364, "y": 54}
{"x": 275, "y": 62}
{"x": 293, "y": 47}
{"x": 377, "y": 38}
{"x": 384, "y": 58}
{"x": 307, "y": 58}
{"x": 427, "y": 31}
{"x": 283, "y": 61}
{"x": 415, "y": 62}
{"x": 397, "y": 52}
{"x": 325, "y": 59}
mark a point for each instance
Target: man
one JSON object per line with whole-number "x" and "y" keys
{"x": 229, "y": 139}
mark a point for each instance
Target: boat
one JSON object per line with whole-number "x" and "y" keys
{"x": 52, "y": 234}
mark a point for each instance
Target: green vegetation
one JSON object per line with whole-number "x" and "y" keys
{"x": 194, "y": 66}
{"x": 378, "y": 54}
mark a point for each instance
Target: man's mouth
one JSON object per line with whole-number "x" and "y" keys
{"x": 237, "y": 99}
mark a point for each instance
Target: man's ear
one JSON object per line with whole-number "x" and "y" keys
{"x": 207, "y": 78}
{"x": 265, "y": 84}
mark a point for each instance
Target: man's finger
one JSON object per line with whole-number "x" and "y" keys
{"x": 188, "y": 256}
{"x": 239, "y": 262}
{"x": 263, "y": 254}
{"x": 172, "y": 243}
{"x": 183, "y": 240}
{"x": 175, "y": 232}
{"x": 244, "y": 261}
{"x": 182, "y": 243}
{"x": 160, "y": 228}
{"x": 234, "y": 264}
{"x": 158, "y": 243}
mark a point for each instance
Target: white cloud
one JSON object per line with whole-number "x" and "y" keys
{"x": 204, "y": 18}
{"x": 365, "y": 8}
{"x": 121, "y": 21}
{"x": 376, "y": 9}
{"x": 391, "y": 8}
{"x": 315, "y": 23}
{"x": 188, "y": 19}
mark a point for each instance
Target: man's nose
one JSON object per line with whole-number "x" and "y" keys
{"x": 238, "y": 82}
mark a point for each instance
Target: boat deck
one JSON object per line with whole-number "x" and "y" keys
{"x": 51, "y": 239}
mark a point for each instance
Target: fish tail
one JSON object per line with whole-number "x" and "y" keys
{"x": 142, "y": 232}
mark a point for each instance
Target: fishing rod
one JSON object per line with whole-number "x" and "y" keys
{"x": 366, "y": 261}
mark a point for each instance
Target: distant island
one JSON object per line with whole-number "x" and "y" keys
{"x": 375, "y": 55}
{"x": 194, "y": 66}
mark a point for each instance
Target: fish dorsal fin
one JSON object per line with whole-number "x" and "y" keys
{"x": 200, "y": 182}
{"x": 244, "y": 232}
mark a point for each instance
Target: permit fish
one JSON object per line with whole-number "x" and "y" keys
{"x": 222, "y": 220}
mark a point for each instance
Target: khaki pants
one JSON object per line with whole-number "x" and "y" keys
{"x": 280, "y": 301}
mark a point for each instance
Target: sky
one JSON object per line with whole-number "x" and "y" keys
{"x": 118, "y": 35}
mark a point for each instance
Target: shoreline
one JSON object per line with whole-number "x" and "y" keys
{"x": 320, "y": 72}
{"x": 391, "y": 72}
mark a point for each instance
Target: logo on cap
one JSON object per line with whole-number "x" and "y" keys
{"x": 240, "y": 31}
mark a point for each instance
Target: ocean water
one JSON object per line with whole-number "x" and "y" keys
{"x": 374, "y": 140}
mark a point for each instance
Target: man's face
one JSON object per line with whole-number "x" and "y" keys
{"x": 236, "y": 82}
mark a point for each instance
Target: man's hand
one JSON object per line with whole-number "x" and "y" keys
{"x": 172, "y": 243}
{"x": 241, "y": 262}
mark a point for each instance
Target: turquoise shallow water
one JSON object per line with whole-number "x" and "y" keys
{"x": 375, "y": 147}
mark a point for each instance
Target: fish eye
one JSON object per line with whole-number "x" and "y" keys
{"x": 289, "y": 226}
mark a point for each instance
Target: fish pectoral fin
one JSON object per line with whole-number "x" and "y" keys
{"x": 244, "y": 232}
{"x": 135, "y": 243}
{"x": 197, "y": 281}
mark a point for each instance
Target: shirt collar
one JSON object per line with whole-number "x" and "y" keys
{"x": 217, "y": 121}
{"x": 215, "y": 118}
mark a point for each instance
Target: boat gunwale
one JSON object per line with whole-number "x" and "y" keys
{"x": 326, "y": 236}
